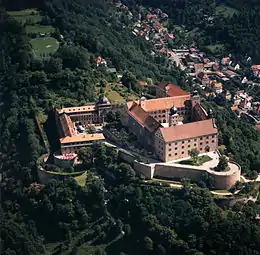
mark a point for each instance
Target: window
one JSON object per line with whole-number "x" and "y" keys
{"x": 213, "y": 141}
{"x": 164, "y": 121}
{"x": 195, "y": 140}
{"x": 207, "y": 142}
{"x": 159, "y": 116}
{"x": 201, "y": 138}
{"x": 188, "y": 146}
{"x": 170, "y": 144}
{"x": 170, "y": 149}
{"x": 195, "y": 144}
{"x": 176, "y": 148}
{"x": 170, "y": 155}
{"x": 163, "y": 111}
{"x": 182, "y": 142}
{"x": 176, "y": 154}
{"x": 176, "y": 143}
{"x": 213, "y": 136}
{"x": 182, "y": 147}
{"x": 182, "y": 152}
{"x": 200, "y": 143}
{"x": 207, "y": 137}
{"x": 188, "y": 141}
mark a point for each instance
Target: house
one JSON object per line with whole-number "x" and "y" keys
{"x": 228, "y": 95}
{"x": 203, "y": 78}
{"x": 199, "y": 67}
{"x": 256, "y": 70}
{"x": 142, "y": 83}
{"x": 167, "y": 90}
{"x": 101, "y": 61}
{"x": 230, "y": 73}
{"x": 151, "y": 16}
{"x": 244, "y": 80}
{"x": 226, "y": 61}
{"x": 216, "y": 86}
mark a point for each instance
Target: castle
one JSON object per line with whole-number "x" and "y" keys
{"x": 73, "y": 121}
{"x": 172, "y": 126}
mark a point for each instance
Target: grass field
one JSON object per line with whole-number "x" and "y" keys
{"x": 215, "y": 48}
{"x": 201, "y": 160}
{"x": 225, "y": 10}
{"x": 31, "y": 15}
{"x": 44, "y": 46}
{"x": 81, "y": 179}
{"x": 114, "y": 97}
{"x": 40, "y": 29}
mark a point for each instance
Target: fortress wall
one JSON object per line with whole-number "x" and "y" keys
{"x": 225, "y": 180}
{"x": 63, "y": 163}
{"x": 144, "y": 169}
{"x": 46, "y": 176}
{"x": 126, "y": 157}
{"x": 178, "y": 172}
{"x": 222, "y": 180}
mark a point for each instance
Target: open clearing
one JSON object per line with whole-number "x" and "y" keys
{"x": 39, "y": 29}
{"x": 27, "y": 15}
{"x": 81, "y": 179}
{"x": 225, "y": 10}
{"x": 215, "y": 48}
{"x": 44, "y": 45}
{"x": 114, "y": 97}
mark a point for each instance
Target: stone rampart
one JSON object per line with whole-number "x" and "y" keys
{"x": 46, "y": 176}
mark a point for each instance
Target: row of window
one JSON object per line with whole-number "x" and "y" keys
{"x": 176, "y": 153}
{"x": 195, "y": 145}
{"x": 195, "y": 140}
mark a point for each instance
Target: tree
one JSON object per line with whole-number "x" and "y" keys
{"x": 222, "y": 164}
{"x": 130, "y": 81}
{"x": 148, "y": 243}
{"x": 126, "y": 172}
{"x": 91, "y": 129}
{"x": 253, "y": 175}
{"x": 194, "y": 154}
{"x": 86, "y": 156}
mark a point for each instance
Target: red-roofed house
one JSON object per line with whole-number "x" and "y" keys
{"x": 256, "y": 70}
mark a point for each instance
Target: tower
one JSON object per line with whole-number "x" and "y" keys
{"x": 142, "y": 102}
{"x": 173, "y": 117}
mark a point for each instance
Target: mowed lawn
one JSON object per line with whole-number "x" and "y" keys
{"x": 31, "y": 15}
{"x": 225, "y": 10}
{"x": 44, "y": 46}
{"x": 114, "y": 97}
{"x": 40, "y": 29}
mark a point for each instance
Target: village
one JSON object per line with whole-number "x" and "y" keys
{"x": 207, "y": 73}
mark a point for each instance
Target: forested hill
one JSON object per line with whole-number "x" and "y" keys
{"x": 98, "y": 28}
{"x": 115, "y": 212}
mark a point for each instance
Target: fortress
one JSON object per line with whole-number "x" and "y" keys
{"x": 172, "y": 126}
{"x": 169, "y": 126}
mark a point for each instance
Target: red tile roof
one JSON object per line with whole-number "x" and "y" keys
{"x": 81, "y": 138}
{"x": 142, "y": 117}
{"x": 256, "y": 68}
{"x": 78, "y": 109}
{"x": 189, "y": 130}
{"x": 257, "y": 127}
{"x": 173, "y": 90}
{"x": 165, "y": 103}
